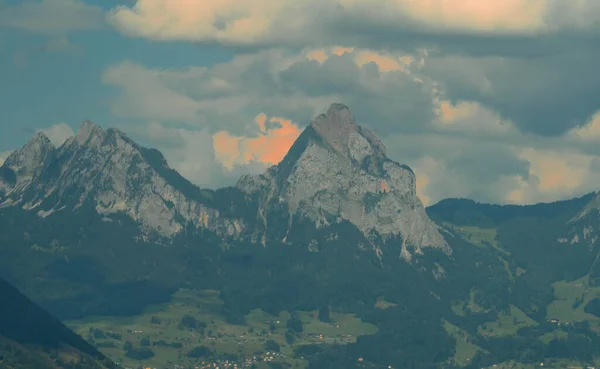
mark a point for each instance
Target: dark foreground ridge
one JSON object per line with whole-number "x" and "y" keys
{"x": 32, "y": 338}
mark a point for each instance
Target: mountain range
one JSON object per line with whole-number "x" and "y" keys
{"x": 103, "y": 226}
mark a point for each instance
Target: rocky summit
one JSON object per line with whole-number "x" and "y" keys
{"x": 338, "y": 170}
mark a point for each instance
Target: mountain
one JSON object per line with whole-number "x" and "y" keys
{"x": 102, "y": 226}
{"x": 337, "y": 170}
{"x": 106, "y": 169}
{"x": 32, "y": 338}
{"x": 548, "y": 242}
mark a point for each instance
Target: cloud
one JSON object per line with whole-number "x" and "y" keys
{"x": 264, "y": 22}
{"x": 268, "y": 148}
{"x": 448, "y": 117}
{"x": 522, "y": 61}
{"x": 530, "y": 176}
{"x": 3, "y": 156}
{"x": 589, "y": 131}
{"x": 226, "y": 96}
{"x": 52, "y": 16}
{"x": 218, "y": 160}
{"x": 254, "y": 106}
{"x": 555, "y": 174}
{"x": 547, "y": 95}
{"x": 58, "y": 133}
{"x": 146, "y": 93}
{"x": 188, "y": 151}
{"x": 449, "y": 165}
{"x": 471, "y": 118}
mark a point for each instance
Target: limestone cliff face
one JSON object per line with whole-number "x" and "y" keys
{"x": 339, "y": 170}
{"x": 107, "y": 170}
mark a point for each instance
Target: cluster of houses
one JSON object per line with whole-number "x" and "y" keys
{"x": 245, "y": 363}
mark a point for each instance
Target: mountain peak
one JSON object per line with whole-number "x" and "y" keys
{"x": 337, "y": 115}
{"x": 40, "y": 139}
{"x": 31, "y": 157}
{"x": 338, "y": 129}
{"x": 86, "y": 130}
{"x": 335, "y": 127}
{"x": 112, "y": 173}
{"x": 339, "y": 170}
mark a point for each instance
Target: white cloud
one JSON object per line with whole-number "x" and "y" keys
{"x": 458, "y": 148}
{"x": 189, "y": 152}
{"x": 588, "y": 132}
{"x": 58, "y": 133}
{"x": 555, "y": 174}
{"x": 256, "y": 22}
{"x": 201, "y": 156}
{"x": 276, "y": 137}
{"x": 547, "y": 94}
{"x": 52, "y": 16}
{"x": 471, "y": 118}
{"x": 229, "y": 95}
{"x": 146, "y": 93}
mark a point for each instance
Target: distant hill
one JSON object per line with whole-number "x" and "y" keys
{"x": 32, "y": 338}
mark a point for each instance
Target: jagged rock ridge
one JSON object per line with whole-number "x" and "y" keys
{"x": 114, "y": 174}
{"x": 337, "y": 170}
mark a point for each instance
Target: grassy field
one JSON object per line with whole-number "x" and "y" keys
{"x": 482, "y": 237}
{"x": 564, "y": 309}
{"x": 465, "y": 350}
{"x": 546, "y": 338}
{"x": 381, "y": 303}
{"x": 473, "y": 306}
{"x": 163, "y": 323}
{"x": 460, "y": 308}
{"x": 507, "y": 324}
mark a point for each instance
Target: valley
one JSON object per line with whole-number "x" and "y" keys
{"x": 169, "y": 333}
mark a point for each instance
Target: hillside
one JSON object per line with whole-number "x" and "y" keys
{"x": 32, "y": 338}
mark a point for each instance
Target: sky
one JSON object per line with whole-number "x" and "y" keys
{"x": 495, "y": 100}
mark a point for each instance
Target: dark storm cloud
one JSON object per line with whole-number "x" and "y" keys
{"x": 544, "y": 95}
{"x": 395, "y": 102}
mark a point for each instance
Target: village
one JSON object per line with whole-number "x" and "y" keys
{"x": 263, "y": 337}
{"x": 245, "y": 363}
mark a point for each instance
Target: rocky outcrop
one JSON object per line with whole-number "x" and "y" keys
{"x": 23, "y": 165}
{"x": 337, "y": 170}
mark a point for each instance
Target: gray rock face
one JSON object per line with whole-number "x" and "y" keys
{"x": 27, "y": 162}
{"x": 112, "y": 172}
{"x": 338, "y": 170}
